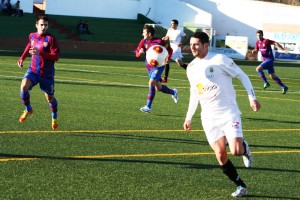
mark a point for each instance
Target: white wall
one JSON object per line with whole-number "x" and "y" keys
{"x": 227, "y": 17}
{"x": 163, "y": 11}
{"x": 245, "y": 17}
{"x": 123, "y": 9}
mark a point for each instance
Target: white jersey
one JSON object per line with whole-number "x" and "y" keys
{"x": 211, "y": 84}
{"x": 175, "y": 36}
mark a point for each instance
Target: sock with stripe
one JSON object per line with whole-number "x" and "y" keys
{"x": 25, "y": 96}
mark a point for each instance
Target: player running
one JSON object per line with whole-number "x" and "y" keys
{"x": 44, "y": 52}
{"x": 154, "y": 73}
{"x": 264, "y": 46}
{"x": 176, "y": 37}
{"x": 210, "y": 76}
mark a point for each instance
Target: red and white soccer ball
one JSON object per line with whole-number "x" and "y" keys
{"x": 156, "y": 55}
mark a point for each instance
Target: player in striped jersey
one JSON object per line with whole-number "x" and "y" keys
{"x": 264, "y": 46}
{"x": 154, "y": 72}
{"x": 44, "y": 51}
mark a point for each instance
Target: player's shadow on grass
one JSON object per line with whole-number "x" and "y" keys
{"x": 142, "y": 138}
{"x": 268, "y": 197}
{"x": 140, "y": 161}
{"x": 181, "y": 164}
{"x": 270, "y": 120}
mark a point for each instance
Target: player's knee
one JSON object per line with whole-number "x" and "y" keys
{"x": 24, "y": 87}
{"x": 236, "y": 152}
{"x": 49, "y": 98}
{"x": 272, "y": 76}
{"x": 258, "y": 69}
{"x": 221, "y": 157}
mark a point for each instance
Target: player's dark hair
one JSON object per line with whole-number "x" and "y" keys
{"x": 43, "y": 17}
{"x": 260, "y": 32}
{"x": 202, "y": 36}
{"x": 150, "y": 29}
{"x": 175, "y": 21}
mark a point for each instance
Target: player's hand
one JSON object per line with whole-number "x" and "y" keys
{"x": 165, "y": 38}
{"x": 255, "y": 105}
{"x": 34, "y": 51}
{"x": 253, "y": 51}
{"x": 167, "y": 61}
{"x": 20, "y": 63}
{"x": 286, "y": 51}
{"x": 187, "y": 125}
{"x": 141, "y": 51}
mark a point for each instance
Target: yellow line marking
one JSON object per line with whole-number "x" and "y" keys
{"x": 138, "y": 155}
{"x": 16, "y": 159}
{"x": 136, "y": 131}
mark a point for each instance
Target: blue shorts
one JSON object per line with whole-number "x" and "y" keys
{"x": 154, "y": 73}
{"x": 268, "y": 65}
{"x": 46, "y": 84}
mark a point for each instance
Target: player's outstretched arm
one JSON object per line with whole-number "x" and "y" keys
{"x": 165, "y": 38}
{"x": 281, "y": 47}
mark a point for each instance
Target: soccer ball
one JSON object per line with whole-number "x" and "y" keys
{"x": 156, "y": 55}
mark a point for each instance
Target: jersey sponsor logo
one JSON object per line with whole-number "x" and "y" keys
{"x": 201, "y": 89}
{"x": 210, "y": 75}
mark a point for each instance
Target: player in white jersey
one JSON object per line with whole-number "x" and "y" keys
{"x": 210, "y": 76}
{"x": 176, "y": 37}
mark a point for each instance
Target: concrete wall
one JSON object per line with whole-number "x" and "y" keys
{"x": 227, "y": 17}
{"x": 245, "y": 17}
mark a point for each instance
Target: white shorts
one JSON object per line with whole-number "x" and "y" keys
{"x": 177, "y": 56}
{"x": 215, "y": 128}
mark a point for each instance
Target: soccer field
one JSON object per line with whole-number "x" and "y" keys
{"x": 105, "y": 148}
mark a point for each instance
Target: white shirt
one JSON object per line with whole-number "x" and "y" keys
{"x": 175, "y": 36}
{"x": 211, "y": 84}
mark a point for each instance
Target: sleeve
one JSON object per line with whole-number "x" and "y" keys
{"x": 193, "y": 104}
{"x": 233, "y": 70}
{"x": 168, "y": 47}
{"x": 182, "y": 34}
{"x": 270, "y": 42}
{"x": 54, "y": 51}
{"x": 168, "y": 33}
{"x": 137, "y": 50}
{"x": 244, "y": 79}
{"x": 256, "y": 46}
{"x": 26, "y": 50}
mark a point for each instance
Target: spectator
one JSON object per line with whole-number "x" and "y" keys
{"x": 80, "y": 26}
{"x": 83, "y": 27}
{"x": 17, "y": 11}
{"x": 3, "y": 6}
{"x": 86, "y": 27}
{"x": 9, "y": 7}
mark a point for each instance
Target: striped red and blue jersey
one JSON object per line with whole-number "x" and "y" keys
{"x": 42, "y": 64}
{"x": 146, "y": 44}
{"x": 264, "y": 46}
